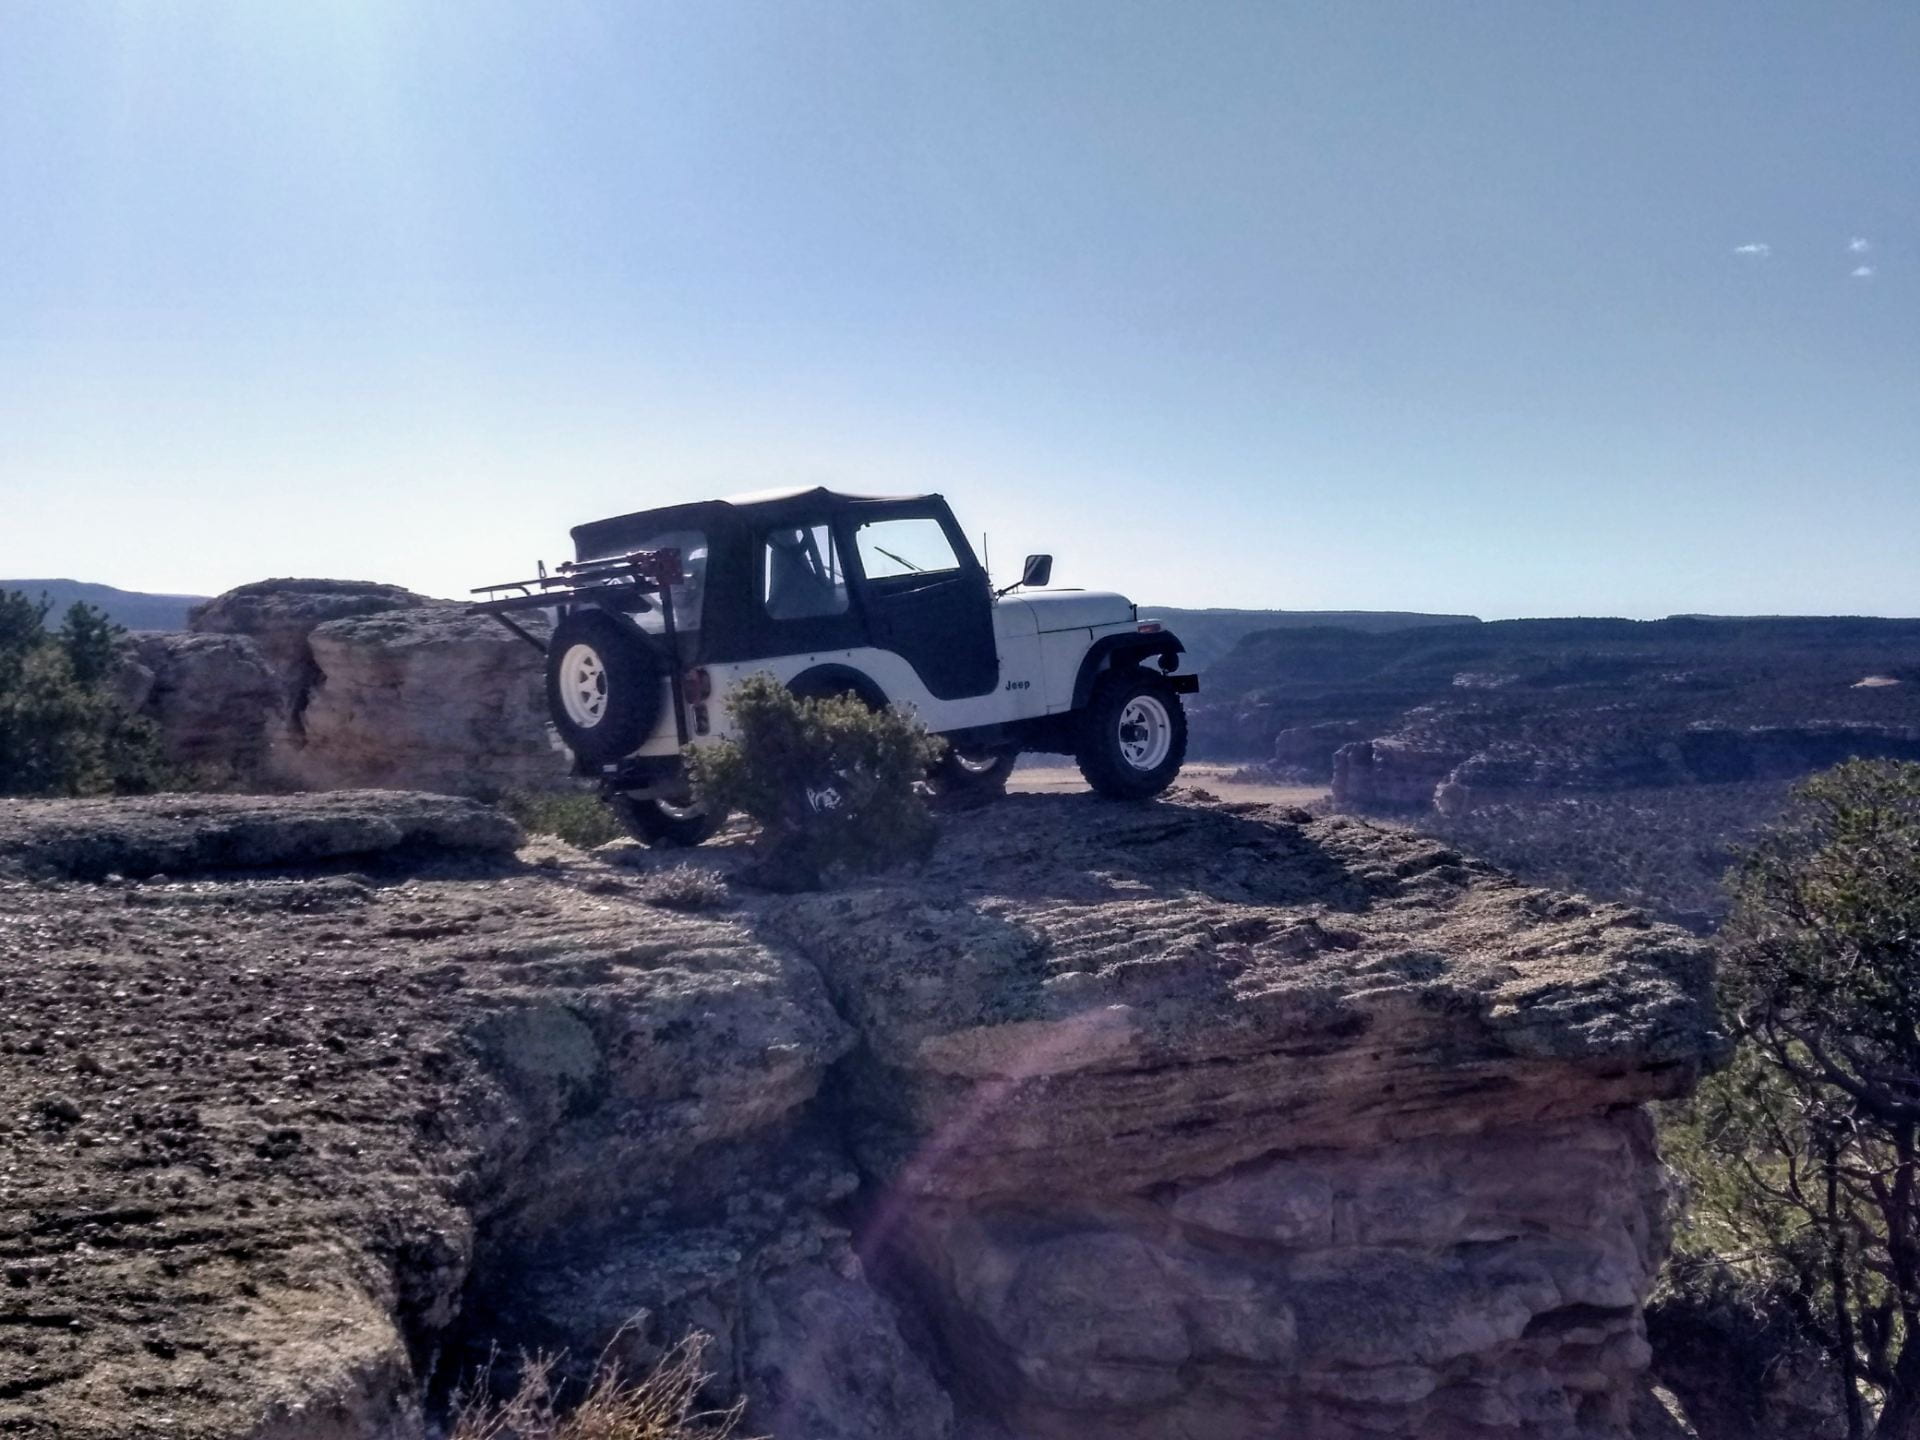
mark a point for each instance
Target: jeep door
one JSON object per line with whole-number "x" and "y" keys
{"x": 926, "y": 599}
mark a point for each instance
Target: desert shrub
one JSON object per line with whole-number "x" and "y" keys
{"x": 686, "y": 887}
{"x": 832, "y": 783}
{"x": 62, "y": 732}
{"x": 662, "y": 1406}
{"x": 569, "y": 815}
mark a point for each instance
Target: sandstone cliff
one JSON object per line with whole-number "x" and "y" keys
{"x": 1171, "y": 1120}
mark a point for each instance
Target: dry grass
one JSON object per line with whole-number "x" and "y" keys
{"x": 663, "y": 1406}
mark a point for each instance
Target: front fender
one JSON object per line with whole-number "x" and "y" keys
{"x": 1113, "y": 651}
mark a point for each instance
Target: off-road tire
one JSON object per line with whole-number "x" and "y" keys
{"x": 662, "y": 828}
{"x": 1131, "y": 738}
{"x": 977, "y": 773}
{"x": 603, "y": 685}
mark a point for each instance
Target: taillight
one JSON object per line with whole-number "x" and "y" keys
{"x": 699, "y": 685}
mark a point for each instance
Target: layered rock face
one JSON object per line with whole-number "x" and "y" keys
{"x": 337, "y": 684}
{"x": 1161, "y": 1152}
{"x": 1157, "y": 1121}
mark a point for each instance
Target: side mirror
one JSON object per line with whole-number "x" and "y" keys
{"x": 1037, "y": 571}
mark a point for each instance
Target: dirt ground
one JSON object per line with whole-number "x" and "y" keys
{"x": 1063, "y": 778}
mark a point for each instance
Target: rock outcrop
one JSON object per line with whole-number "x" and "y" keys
{"x": 340, "y": 684}
{"x": 1391, "y": 774}
{"x": 278, "y": 615}
{"x": 219, "y": 704}
{"x": 1170, "y": 1120}
{"x": 427, "y": 698}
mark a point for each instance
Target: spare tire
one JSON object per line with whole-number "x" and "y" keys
{"x": 604, "y": 685}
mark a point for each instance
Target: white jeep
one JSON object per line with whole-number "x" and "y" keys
{"x": 663, "y": 611}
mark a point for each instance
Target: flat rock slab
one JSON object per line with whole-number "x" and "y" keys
{"x": 188, "y": 834}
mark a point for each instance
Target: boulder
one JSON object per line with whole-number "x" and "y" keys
{"x": 427, "y": 698}
{"x": 218, "y": 703}
{"x": 280, "y": 614}
{"x": 342, "y": 684}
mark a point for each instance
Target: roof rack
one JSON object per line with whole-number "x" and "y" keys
{"x": 620, "y": 583}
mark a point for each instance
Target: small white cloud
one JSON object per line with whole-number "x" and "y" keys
{"x": 1859, "y": 245}
{"x": 1756, "y": 248}
{"x": 1863, "y": 272}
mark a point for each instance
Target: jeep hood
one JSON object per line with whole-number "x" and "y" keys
{"x": 1074, "y": 609}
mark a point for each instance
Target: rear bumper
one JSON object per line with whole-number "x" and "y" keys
{"x": 645, "y": 776}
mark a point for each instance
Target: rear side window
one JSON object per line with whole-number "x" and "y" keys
{"x": 904, "y": 547}
{"x": 801, "y": 577}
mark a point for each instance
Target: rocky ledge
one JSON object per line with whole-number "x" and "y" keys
{"x": 1173, "y": 1120}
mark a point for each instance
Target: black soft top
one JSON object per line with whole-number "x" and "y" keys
{"x": 621, "y": 533}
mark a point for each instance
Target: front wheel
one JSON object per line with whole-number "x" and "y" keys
{"x": 663, "y": 825}
{"x": 1132, "y": 736}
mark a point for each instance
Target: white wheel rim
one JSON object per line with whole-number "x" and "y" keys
{"x": 1146, "y": 732}
{"x": 583, "y": 686}
{"x": 691, "y": 810}
{"x": 975, "y": 764}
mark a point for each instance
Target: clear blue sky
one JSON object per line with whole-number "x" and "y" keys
{"x": 1513, "y": 308}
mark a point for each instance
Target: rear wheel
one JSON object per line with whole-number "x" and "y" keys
{"x": 604, "y": 685}
{"x": 662, "y": 824}
{"x": 973, "y": 772}
{"x": 1132, "y": 737}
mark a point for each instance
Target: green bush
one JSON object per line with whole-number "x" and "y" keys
{"x": 61, "y": 730}
{"x": 1802, "y": 1158}
{"x": 578, "y": 819}
{"x": 833, "y": 784}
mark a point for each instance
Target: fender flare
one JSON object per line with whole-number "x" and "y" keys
{"x": 1113, "y": 651}
{"x": 820, "y": 681}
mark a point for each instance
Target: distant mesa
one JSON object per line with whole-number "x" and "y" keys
{"x": 1210, "y": 634}
{"x": 135, "y": 609}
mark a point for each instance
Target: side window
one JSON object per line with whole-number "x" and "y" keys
{"x": 903, "y": 547}
{"x": 800, "y": 573}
